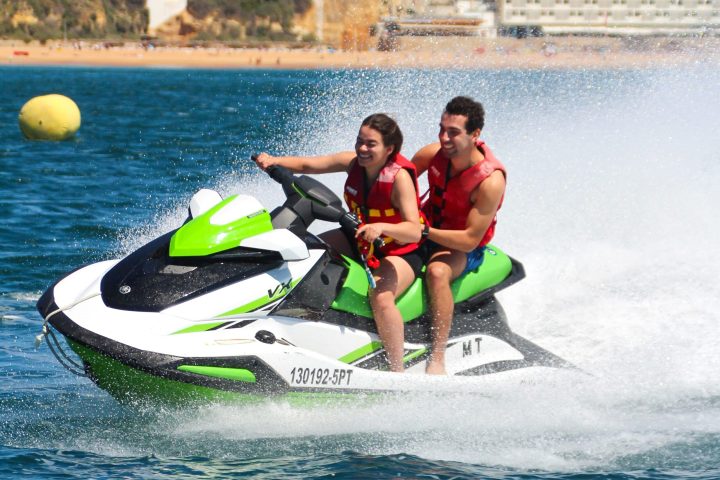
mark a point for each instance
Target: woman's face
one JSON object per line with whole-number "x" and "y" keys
{"x": 370, "y": 149}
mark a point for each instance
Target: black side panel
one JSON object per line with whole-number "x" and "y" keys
{"x": 312, "y": 297}
{"x": 536, "y": 355}
{"x": 487, "y": 317}
{"x": 516, "y": 274}
{"x": 148, "y": 280}
{"x": 295, "y": 221}
{"x": 494, "y": 367}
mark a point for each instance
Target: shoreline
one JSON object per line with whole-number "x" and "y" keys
{"x": 458, "y": 53}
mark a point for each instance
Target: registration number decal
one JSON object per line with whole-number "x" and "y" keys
{"x": 320, "y": 376}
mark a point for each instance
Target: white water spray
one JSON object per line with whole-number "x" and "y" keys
{"x": 611, "y": 208}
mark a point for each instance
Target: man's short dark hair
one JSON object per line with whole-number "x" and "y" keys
{"x": 473, "y": 110}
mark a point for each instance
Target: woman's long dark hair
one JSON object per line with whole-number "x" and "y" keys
{"x": 388, "y": 129}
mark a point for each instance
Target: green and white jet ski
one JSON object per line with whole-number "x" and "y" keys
{"x": 240, "y": 302}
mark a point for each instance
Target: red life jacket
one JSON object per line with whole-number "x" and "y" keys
{"x": 449, "y": 203}
{"x": 374, "y": 204}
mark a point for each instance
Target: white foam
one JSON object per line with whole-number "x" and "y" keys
{"x": 611, "y": 207}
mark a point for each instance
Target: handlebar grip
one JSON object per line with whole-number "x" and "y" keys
{"x": 350, "y": 222}
{"x": 278, "y": 173}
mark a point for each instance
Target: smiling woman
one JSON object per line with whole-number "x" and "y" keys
{"x": 382, "y": 190}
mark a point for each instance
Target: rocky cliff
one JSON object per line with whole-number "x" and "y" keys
{"x": 345, "y": 23}
{"x": 46, "y": 19}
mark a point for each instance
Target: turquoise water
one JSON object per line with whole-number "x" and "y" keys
{"x": 612, "y": 207}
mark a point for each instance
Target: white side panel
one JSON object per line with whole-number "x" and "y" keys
{"x": 331, "y": 341}
{"x": 223, "y": 300}
{"x": 280, "y": 240}
{"x": 144, "y": 330}
{"x": 81, "y": 283}
{"x": 473, "y": 351}
{"x": 303, "y": 368}
{"x": 334, "y": 341}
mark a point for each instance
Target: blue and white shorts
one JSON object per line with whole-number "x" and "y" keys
{"x": 474, "y": 259}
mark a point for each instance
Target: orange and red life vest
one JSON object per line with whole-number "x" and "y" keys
{"x": 449, "y": 202}
{"x": 374, "y": 204}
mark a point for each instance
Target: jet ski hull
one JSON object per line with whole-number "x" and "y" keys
{"x": 244, "y": 359}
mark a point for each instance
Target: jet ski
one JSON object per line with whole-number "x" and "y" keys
{"x": 242, "y": 302}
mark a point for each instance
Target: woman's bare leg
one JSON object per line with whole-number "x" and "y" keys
{"x": 393, "y": 277}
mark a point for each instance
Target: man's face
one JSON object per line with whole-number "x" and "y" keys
{"x": 454, "y": 139}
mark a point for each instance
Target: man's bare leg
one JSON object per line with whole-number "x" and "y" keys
{"x": 443, "y": 268}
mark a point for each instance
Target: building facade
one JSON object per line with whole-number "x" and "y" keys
{"x": 632, "y": 17}
{"x": 442, "y": 18}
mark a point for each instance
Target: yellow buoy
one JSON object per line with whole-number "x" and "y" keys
{"x": 49, "y": 117}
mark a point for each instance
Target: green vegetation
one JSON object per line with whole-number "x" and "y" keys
{"x": 48, "y": 19}
{"x": 255, "y": 16}
{"x": 76, "y": 19}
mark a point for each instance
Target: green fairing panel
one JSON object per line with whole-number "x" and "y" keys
{"x": 236, "y": 374}
{"x": 133, "y": 386}
{"x": 495, "y": 268}
{"x": 352, "y": 298}
{"x": 129, "y": 385}
{"x": 199, "y": 237}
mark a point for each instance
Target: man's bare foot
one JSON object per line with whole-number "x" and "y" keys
{"x": 435, "y": 369}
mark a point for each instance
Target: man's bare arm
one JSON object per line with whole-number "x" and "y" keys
{"x": 423, "y": 157}
{"x": 487, "y": 197}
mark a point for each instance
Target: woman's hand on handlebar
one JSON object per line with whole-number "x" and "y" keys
{"x": 264, "y": 160}
{"x": 369, "y": 232}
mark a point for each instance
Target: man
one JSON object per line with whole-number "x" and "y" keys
{"x": 467, "y": 184}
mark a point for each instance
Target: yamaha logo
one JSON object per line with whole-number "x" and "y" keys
{"x": 125, "y": 289}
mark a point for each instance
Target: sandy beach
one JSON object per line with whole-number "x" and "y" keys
{"x": 443, "y": 52}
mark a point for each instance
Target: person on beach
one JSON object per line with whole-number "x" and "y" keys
{"x": 382, "y": 189}
{"x": 466, "y": 189}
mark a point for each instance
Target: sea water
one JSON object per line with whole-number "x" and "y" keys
{"x": 612, "y": 207}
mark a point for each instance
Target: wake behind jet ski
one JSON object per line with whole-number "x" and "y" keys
{"x": 239, "y": 301}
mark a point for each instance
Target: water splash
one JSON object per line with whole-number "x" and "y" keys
{"x": 612, "y": 191}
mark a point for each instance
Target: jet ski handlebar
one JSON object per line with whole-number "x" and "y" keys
{"x": 325, "y": 204}
{"x": 350, "y": 222}
{"x": 281, "y": 175}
